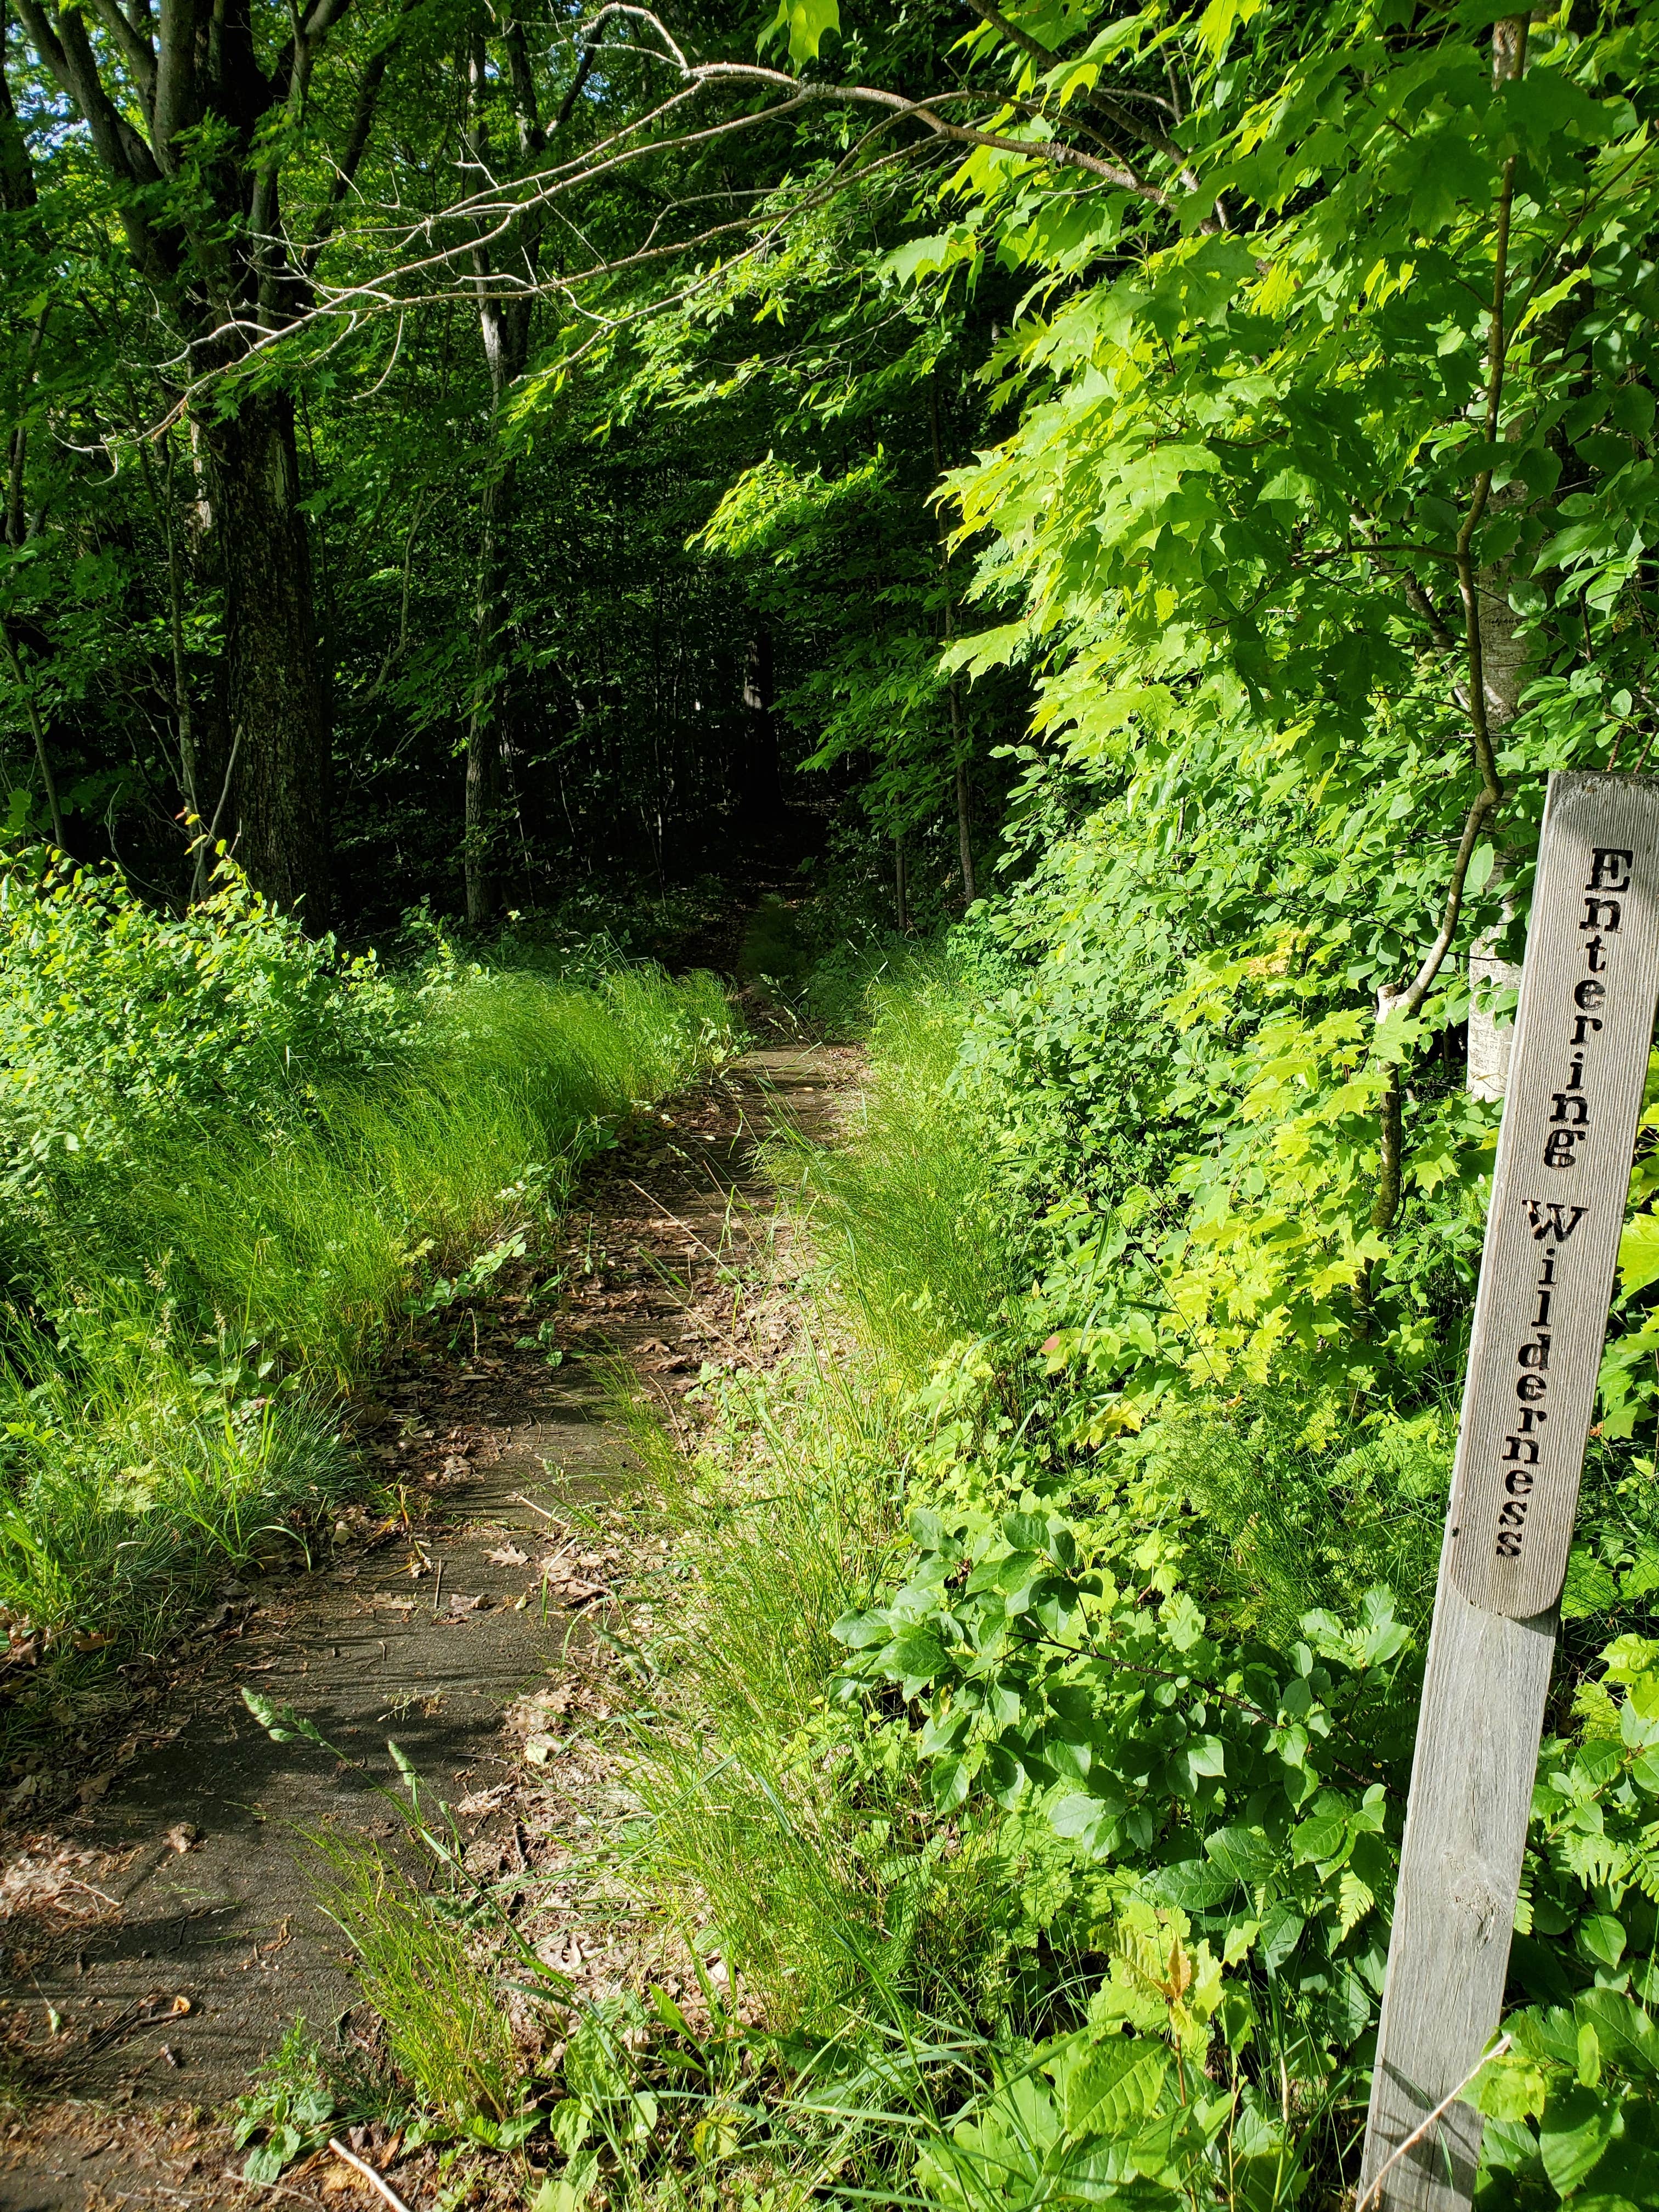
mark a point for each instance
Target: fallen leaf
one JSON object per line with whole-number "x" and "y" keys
{"x": 509, "y": 1555}
{"x": 538, "y": 1749}
{"x": 479, "y": 1801}
{"x": 181, "y": 2004}
{"x": 459, "y": 1604}
{"x": 569, "y": 1586}
{"x": 182, "y": 1836}
{"x": 94, "y": 1642}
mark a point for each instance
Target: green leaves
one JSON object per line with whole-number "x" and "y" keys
{"x": 290, "y": 2106}
{"x": 1127, "y": 2121}
{"x": 1576, "y": 2097}
{"x": 1108, "y": 2087}
{"x": 1202, "y": 1779}
{"x": 804, "y": 24}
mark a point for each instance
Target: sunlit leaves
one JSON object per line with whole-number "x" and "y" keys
{"x": 802, "y": 25}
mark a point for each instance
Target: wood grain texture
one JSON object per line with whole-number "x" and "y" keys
{"x": 1577, "y": 1068}
{"x": 1583, "y": 1032}
{"x": 1460, "y": 1871}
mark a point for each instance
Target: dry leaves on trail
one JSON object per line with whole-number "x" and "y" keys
{"x": 568, "y": 1575}
{"x": 508, "y": 1555}
{"x": 477, "y": 1802}
{"x": 529, "y": 1712}
{"x": 57, "y": 1881}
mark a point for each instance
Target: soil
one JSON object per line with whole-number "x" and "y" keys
{"x": 161, "y": 1935}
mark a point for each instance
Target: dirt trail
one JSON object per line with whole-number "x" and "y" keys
{"x": 159, "y": 1939}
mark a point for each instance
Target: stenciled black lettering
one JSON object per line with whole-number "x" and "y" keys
{"x": 1572, "y": 1108}
{"x": 1522, "y": 1451}
{"x": 1518, "y": 1481}
{"x": 1535, "y": 1352}
{"x": 1530, "y": 1388}
{"x": 1550, "y": 1220}
{"x": 1508, "y": 1543}
{"x": 1595, "y": 909}
{"x": 1582, "y": 1026}
{"x": 1514, "y": 1513}
{"x": 1594, "y": 948}
{"x": 1559, "y": 1152}
{"x": 1588, "y": 993}
{"x": 1529, "y": 1417}
{"x": 1610, "y": 867}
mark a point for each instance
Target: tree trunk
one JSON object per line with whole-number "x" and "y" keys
{"x": 505, "y": 324}
{"x": 962, "y": 821}
{"x": 1503, "y": 656}
{"x": 760, "y": 802}
{"x": 276, "y": 699}
{"x": 484, "y": 739}
{"x": 1503, "y": 652}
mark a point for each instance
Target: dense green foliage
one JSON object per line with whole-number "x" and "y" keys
{"x": 235, "y": 1163}
{"x": 1089, "y": 1803}
{"x": 1168, "y": 486}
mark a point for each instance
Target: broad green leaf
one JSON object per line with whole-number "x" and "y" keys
{"x": 1109, "y": 2088}
{"x": 1576, "y": 2127}
{"x": 804, "y": 24}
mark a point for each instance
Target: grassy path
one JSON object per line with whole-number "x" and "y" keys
{"x": 160, "y": 1937}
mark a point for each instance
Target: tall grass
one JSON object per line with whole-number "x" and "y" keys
{"x": 446, "y": 2031}
{"x": 308, "y": 1238}
{"x": 1275, "y": 1525}
{"x": 913, "y": 1233}
{"x": 193, "y": 1294}
{"x": 812, "y": 1865}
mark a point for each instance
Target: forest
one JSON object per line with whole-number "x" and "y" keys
{"x": 930, "y": 638}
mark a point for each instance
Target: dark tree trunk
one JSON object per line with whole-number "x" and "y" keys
{"x": 483, "y": 740}
{"x": 278, "y": 710}
{"x": 760, "y": 801}
{"x": 505, "y": 324}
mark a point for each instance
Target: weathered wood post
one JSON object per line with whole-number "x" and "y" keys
{"x": 1582, "y": 1034}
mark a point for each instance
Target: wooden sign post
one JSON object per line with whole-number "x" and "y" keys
{"x": 1582, "y": 1034}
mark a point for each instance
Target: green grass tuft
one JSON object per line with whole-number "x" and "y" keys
{"x": 445, "y": 2025}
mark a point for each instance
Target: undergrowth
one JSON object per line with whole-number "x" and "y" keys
{"x": 233, "y": 1165}
{"x": 1040, "y": 1783}
{"x": 1058, "y": 1865}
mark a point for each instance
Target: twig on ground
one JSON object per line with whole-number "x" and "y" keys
{"x": 668, "y": 1216}
{"x": 368, "y": 2173}
{"x": 1371, "y": 2196}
